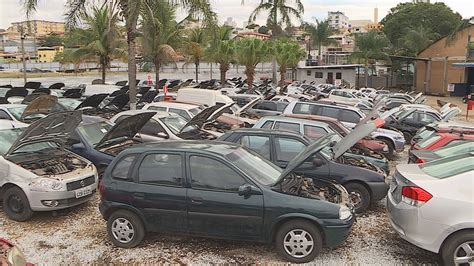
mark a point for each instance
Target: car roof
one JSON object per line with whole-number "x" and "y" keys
{"x": 347, "y": 107}
{"x": 89, "y": 119}
{"x": 267, "y": 131}
{"x": 181, "y": 105}
{"x": 8, "y": 124}
{"x": 4, "y": 106}
{"x": 296, "y": 120}
{"x": 215, "y": 147}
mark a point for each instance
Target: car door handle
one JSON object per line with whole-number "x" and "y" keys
{"x": 196, "y": 201}
{"x": 138, "y": 195}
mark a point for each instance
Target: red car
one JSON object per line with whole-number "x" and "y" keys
{"x": 442, "y": 139}
{"x": 11, "y": 255}
{"x": 367, "y": 142}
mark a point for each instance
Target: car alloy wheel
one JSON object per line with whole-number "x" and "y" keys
{"x": 16, "y": 204}
{"x": 298, "y": 243}
{"x": 356, "y": 199}
{"x": 122, "y": 230}
{"x": 464, "y": 254}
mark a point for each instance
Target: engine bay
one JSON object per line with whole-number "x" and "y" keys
{"x": 58, "y": 164}
{"x": 359, "y": 163}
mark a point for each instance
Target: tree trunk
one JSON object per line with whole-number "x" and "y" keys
{"x": 320, "y": 47}
{"x": 250, "y": 73}
{"x": 103, "y": 66}
{"x": 196, "y": 64}
{"x": 132, "y": 68}
{"x": 282, "y": 79}
{"x": 366, "y": 74}
{"x": 157, "y": 75}
{"x": 223, "y": 69}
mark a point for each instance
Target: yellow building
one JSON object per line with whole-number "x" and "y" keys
{"x": 47, "y": 54}
{"x": 39, "y": 28}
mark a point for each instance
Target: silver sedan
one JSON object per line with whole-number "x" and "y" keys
{"x": 432, "y": 206}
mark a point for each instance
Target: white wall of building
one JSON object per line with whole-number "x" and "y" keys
{"x": 320, "y": 75}
{"x": 338, "y": 20}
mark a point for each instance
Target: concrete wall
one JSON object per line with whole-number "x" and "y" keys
{"x": 441, "y": 55}
{"x": 308, "y": 74}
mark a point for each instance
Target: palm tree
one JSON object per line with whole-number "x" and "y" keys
{"x": 288, "y": 54}
{"x": 160, "y": 34}
{"x": 249, "y": 52}
{"x": 417, "y": 39}
{"x": 370, "y": 47}
{"x": 221, "y": 50}
{"x": 130, "y": 12}
{"x": 101, "y": 37}
{"x": 320, "y": 33}
{"x": 194, "y": 45}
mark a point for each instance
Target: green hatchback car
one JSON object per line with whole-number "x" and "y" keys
{"x": 222, "y": 190}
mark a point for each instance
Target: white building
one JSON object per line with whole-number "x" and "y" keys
{"x": 230, "y": 22}
{"x": 338, "y": 20}
{"x": 331, "y": 74}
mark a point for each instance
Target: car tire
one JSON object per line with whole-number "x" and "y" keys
{"x": 359, "y": 195}
{"x": 125, "y": 229}
{"x": 391, "y": 148}
{"x": 407, "y": 137}
{"x": 301, "y": 233}
{"x": 456, "y": 246}
{"x": 16, "y": 204}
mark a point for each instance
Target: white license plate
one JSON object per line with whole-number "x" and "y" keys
{"x": 83, "y": 192}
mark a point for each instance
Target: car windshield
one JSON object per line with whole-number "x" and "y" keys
{"x": 424, "y": 133}
{"x": 16, "y": 111}
{"x": 93, "y": 133}
{"x": 196, "y": 110}
{"x": 428, "y": 141}
{"x": 176, "y": 123}
{"x": 456, "y": 149}
{"x": 255, "y": 166}
{"x": 69, "y": 104}
{"x": 450, "y": 166}
{"x": 7, "y": 137}
{"x": 37, "y": 147}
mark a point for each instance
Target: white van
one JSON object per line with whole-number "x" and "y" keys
{"x": 202, "y": 97}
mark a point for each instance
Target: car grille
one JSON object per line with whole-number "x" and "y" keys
{"x": 80, "y": 183}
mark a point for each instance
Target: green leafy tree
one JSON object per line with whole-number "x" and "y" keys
{"x": 221, "y": 49}
{"x": 288, "y": 54}
{"x": 130, "y": 11}
{"x": 249, "y": 53}
{"x": 51, "y": 40}
{"x": 320, "y": 33}
{"x": 370, "y": 47}
{"x": 101, "y": 37}
{"x": 69, "y": 56}
{"x": 417, "y": 39}
{"x": 194, "y": 45}
{"x": 160, "y": 33}
{"x": 435, "y": 18}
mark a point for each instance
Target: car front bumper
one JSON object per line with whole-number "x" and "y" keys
{"x": 57, "y": 200}
{"x": 407, "y": 221}
{"x": 336, "y": 232}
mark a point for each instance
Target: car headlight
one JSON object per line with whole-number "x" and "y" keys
{"x": 345, "y": 213}
{"x": 45, "y": 184}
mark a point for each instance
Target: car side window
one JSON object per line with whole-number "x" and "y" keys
{"x": 330, "y": 112}
{"x": 287, "y": 126}
{"x": 268, "y": 124}
{"x": 303, "y": 108}
{"x": 152, "y": 128}
{"x": 211, "y": 174}
{"x": 4, "y": 115}
{"x": 161, "y": 169}
{"x": 123, "y": 167}
{"x": 157, "y": 108}
{"x": 287, "y": 149}
{"x": 180, "y": 112}
{"x": 348, "y": 116}
{"x": 426, "y": 118}
{"x": 120, "y": 118}
{"x": 259, "y": 144}
{"x": 314, "y": 132}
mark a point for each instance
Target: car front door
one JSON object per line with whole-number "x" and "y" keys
{"x": 160, "y": 192}
{"x": 215, "y": 207}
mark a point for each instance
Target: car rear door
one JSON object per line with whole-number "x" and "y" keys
{"x": 160, "y": 192}
{"x": 214, "y": 206}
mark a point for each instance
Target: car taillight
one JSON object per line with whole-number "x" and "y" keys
{"x": 419, "y": 160}
{"x": 415, "y": 196}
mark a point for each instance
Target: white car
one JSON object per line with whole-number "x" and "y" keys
{"x": 11, "y": 111}
{"x": 431, "y": 205}
{"x": 36, "y": 173}
{"x": 185, "y": 110}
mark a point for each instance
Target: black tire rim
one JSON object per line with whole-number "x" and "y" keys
{"x": 15, "y": 203}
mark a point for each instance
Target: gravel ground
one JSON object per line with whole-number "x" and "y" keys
{"x": 78, "y": 236}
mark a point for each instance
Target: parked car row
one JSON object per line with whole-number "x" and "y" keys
{"x": 287, "y": 169}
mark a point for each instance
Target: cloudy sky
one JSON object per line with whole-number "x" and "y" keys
{"x": 11, "y": 10}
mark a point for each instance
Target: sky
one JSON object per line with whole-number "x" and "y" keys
{"x": 12, "y": 11}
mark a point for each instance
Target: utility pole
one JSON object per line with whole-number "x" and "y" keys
{"x": 21, "y": 30}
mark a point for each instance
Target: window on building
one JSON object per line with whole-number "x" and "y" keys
{"x": 318, "y": 75}
{"x": 308, "y": 72}
{"x": 338, "y": 75}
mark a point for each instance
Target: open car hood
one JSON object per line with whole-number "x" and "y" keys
{"x": 249, "y": 105}
{"x": 312, "y": 149}
{"x": 43, "y": 104}
{"x": 207, "y": 115}
{"x": 358, "y": 133}
{"x": 126, "y": 128}
{"x": 92, "y": 101}
{"x": 450, "y": 113}
{"x": 55, "y": 127}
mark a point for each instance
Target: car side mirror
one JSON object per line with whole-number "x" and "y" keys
{"x": 247, "y": 190}
{"x": 162, "y": 135}
{"x": 318, "y": 162}
{"x": 78, "y": 146}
